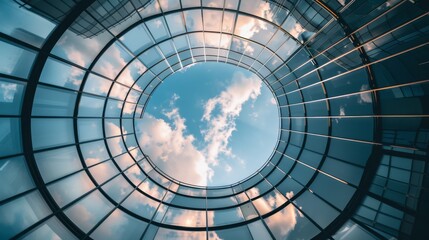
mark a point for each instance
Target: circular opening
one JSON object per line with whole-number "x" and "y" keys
{"x": 210, "y": 124}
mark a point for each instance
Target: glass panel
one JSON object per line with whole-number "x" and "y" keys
{"x": 10, "y": 136}
{"x": 186, "y": 218}
{"x": 90, "y": 106}
{"x": 79, "y": 49}
{"x": 117, "y": 188}
{"x": 89, "y": 211}
{"x": 15, "y": 61}
{"x": 89, "y": 129}
{"x": 57, "y": 163}
{"x": 316, "y": 209}
{"x": 232, "y": 233}
{"x": 120, "y": 225}
{"x": 11, "y": 95}
{"x": 53, "y": 102}
{"x": 158, "y": 28}
{"x": 269, "y": 202}
{"x": 61, "y": 74}
{"x": 50, "y": 229}
{"x": 70, "y": 188}
{"x": 21, "y": 213}
{"x": 14, "y": 176}
{"x": 20, "y": 23}
{"x": 165, "y": 233}
{"x": 141, "y": 204}
{"x": 175, "y": 23}
{"x": 289, "y": 223}
{"x": 137, "y": 39}
{"x": 212, "y": 20}
{"x": 103, "y": 171}
{"x": 112, "y": 61}
{"x": 224, "y": 217}
{"x": 152, "y": 189}
{"x": 258, "y": 230}
{"x": 97, "y": 85}
{"x": 193, "y": 20}
{"x": 46, "y": 132}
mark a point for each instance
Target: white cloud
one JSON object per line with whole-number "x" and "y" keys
{"x": 342, "y": 111}
{"x": 172, "y": 149}
{"x": 110, "y": 63}
{"x": 7, "y": 93}
{"x": 228, "y": 168}
{"x": 221, "y": 124}
{"x": 273, "y": 101}
{"x": 283, "y": 222}
{"x": 78, "y": 50}
{"x": 365, "y": 96}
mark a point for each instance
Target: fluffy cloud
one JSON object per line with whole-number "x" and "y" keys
{"x": 283, "y": 222}
{"x": 221, "y": 112}
{"x": 77, "y": 49}
{"x": 176, "y": 152}
{"x": 173, "y": 149}
{"x": 7, "y": 93}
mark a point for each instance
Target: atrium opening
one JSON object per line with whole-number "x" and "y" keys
{"x": 345, "y": 134}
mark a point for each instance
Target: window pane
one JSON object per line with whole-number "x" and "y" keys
{"x": 61, "y": 74}
{"x": 11, "y": 95}
{"x": 10, "y": 136}
{"x": 120, "y": 225}
{"x": 57, "y": 163}
{"x": 97, "y": 85}
{"x": 70, "y": 188}
{"x": 20, "y": 23}
{"x": 15, "y": 61}
{"x": 186, "y": 218}
{"x": 89, "y": 211}
{"x": 46, "y": 132}
{"x": 89, "y": 129}
{"x": 50, "y": 229}
{"x": 14, "y": 176}
{"x": 90, "y": 106}
{"x": 53, "y": 102}
{"x": 158, "y": 29}
{"x": 141, "y": 205}
{"x": 21, "y": 213}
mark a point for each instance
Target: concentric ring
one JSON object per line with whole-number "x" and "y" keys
{"x": 349, "y": 79}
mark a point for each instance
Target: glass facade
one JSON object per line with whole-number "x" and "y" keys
{"x": 350, "y": 79}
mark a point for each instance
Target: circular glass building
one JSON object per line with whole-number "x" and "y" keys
{"x": 349, "y": 80}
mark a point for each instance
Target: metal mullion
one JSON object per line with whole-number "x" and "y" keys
{"x": 170, "y": 38}
{"x": 356, "y": 93}
{"x": 28, "y": 100}
{"x": 96, "y": 187}
{"x": 14, "y": 41}
{"x": 366, "y": 65}
{"x": 279, "y": 28}
{"x": 156, "y": 211}
{"x": 33, "y": 226}
{"x": 352, "y": 140}
{"x": 260, "y": 218}
{"x": 369, "y": 229}
{"x": 221, "y": 33}
{"x": 356, "y": 48}
{"x": 342, "y": 39}
{"x": 361, "y": 116}
{"x": 233, "y": 29}
{"x": 115, "y": 207}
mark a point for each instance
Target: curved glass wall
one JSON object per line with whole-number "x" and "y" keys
{"x": 350, "y": 79}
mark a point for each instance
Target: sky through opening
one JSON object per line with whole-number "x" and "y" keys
{"x": 210, "y": 124}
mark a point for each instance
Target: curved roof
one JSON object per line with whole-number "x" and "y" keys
{"x": 350, "y": 79}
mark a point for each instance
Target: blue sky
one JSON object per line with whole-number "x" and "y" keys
{"x": 216, "y": 121}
